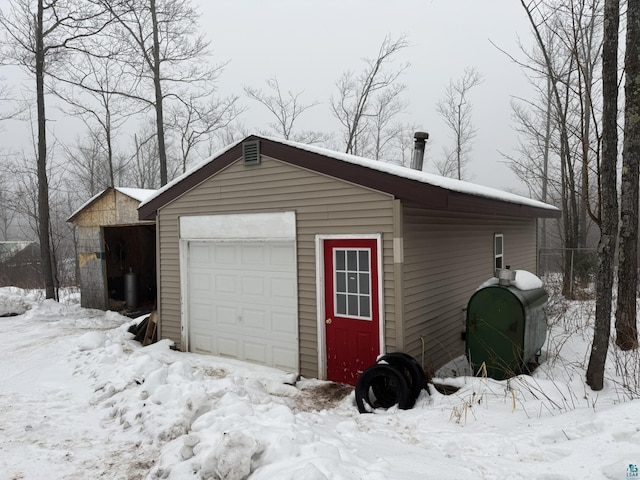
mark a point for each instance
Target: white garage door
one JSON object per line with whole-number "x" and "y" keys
{"x": 242, "y": 300}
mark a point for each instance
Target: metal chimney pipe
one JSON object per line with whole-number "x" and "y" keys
{"x": 418, "y": 150}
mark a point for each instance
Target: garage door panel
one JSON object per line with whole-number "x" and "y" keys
{"x": 254, "y": 255}
{"x": 224, "y": 284}
{"x": 224, "y": 254}
{"x": 254, "y": 321}
{"x": 245, "y": 303}
{"x": 256, "y": 352}
{"x": 200, "y": 313}
{"x": 253, "y": 286}
{"x": 282, "y": 287}
{"x": 280, "y": 323}
{"x": 200, "y": 281}
{"x": 282, "y": 256}
{"x": 225, "y": 316}
{"x": 227, "y": 347}
{"x": 203, "y": 343}
{"x": 199, "y": 253}
{"x": 283, "y": 357}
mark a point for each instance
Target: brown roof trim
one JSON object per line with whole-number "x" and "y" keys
{"x": 149, "y": 209}
{"x": 408, "y": 190}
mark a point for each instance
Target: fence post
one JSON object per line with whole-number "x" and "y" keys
{"x": 571, "y": 273}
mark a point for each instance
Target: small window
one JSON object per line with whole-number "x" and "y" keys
{"x": 498, "y": 251}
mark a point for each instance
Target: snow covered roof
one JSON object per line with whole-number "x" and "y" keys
{"x": 424, "y": 177}
{"x": 139, "y": 194}
{"x": 425, "y": 188}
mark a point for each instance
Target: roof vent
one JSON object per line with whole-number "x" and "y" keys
{"x": 251, "y": 152}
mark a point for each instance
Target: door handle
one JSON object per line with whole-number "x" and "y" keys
{"x": 328, "y": 321}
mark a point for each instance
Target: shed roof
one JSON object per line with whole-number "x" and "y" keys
{"x": 414, "y": 187}
{"x": 139, "y": 194}
{"x": 10, "y": 248}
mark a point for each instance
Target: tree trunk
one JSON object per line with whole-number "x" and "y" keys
{"x": 43, "y": 185}
{"x": 162, "y": 151}
{"x": 545, "y": 164}
{"x": 626, "y": 322}
{"x": 109, "y": 141}
{"x": 609, "y": 197}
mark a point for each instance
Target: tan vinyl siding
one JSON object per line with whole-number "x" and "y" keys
{"x": 169, "y": 278}
{"x": 446, "y": 257}
{"x": 323, "y": 205}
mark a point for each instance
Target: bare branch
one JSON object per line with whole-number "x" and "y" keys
{"x": 285, "y": 108}
{"x": 356, "y": 92}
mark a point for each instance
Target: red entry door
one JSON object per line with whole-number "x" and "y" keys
{"x": 352, "y": 307}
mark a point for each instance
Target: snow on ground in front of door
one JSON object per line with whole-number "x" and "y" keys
{"x": 80, "y": 399}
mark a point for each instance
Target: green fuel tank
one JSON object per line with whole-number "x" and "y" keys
{"x": 506, "y": 328}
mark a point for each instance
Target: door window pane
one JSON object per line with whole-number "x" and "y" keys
{"x": 352, "y": 260}
{"x": 363, "y": 257}
{"x": 352, "y": 283}
{"x": 341, "y": 304}
{"x": 364, "y": 283}
{"x": 352, "y": 305}
{"x": 365, "y": 307}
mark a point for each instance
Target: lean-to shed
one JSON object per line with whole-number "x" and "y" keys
{"x": 112, "y": 243}
{"x": 316, "y": 262}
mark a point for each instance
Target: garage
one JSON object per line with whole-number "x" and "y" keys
{"x": 385, "y": 257}
{"x": 239, "y": 280}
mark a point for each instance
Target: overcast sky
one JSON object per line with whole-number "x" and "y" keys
{"x": 307, "y": 45}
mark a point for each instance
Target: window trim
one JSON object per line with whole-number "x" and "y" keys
{"x": 498, "y": 256}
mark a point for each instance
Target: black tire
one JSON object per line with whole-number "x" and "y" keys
{"x": 382, "y": 386}
{"x": 410, "y": 369}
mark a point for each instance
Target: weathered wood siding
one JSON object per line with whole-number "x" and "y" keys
{"x": 323, "y": 205}
{"x": 110, "y": 209}
{"x": 446, "y": 257}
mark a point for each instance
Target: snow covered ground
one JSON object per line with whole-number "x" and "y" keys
{"x": 80, "y": 399}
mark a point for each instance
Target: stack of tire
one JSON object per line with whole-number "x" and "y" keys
{"x": 396, "y": 379}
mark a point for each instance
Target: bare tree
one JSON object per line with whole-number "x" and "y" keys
{"x": 195, "y": 120}
{"x": 87, "y": 167}
{"x": 286, "y": 108}
{"x": 357, "y": 93}
{"x": 626, "y": 321}
{"x": 7, "y": 213}
{"x": 87, "y": 85}
{"x": 37, "y": 37}
{"x": 232, "y": 133}
{"x": 568, "y": 42}
{"x": 10, "y": 107}
{"x": 535, "y": 129}
{"x": 608, "y": 197}
{"x": 145, "y": 159}
{"x": 384, "y": 128}
{"x": 165, "y": 56}
{"x": 455, "y": 109}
